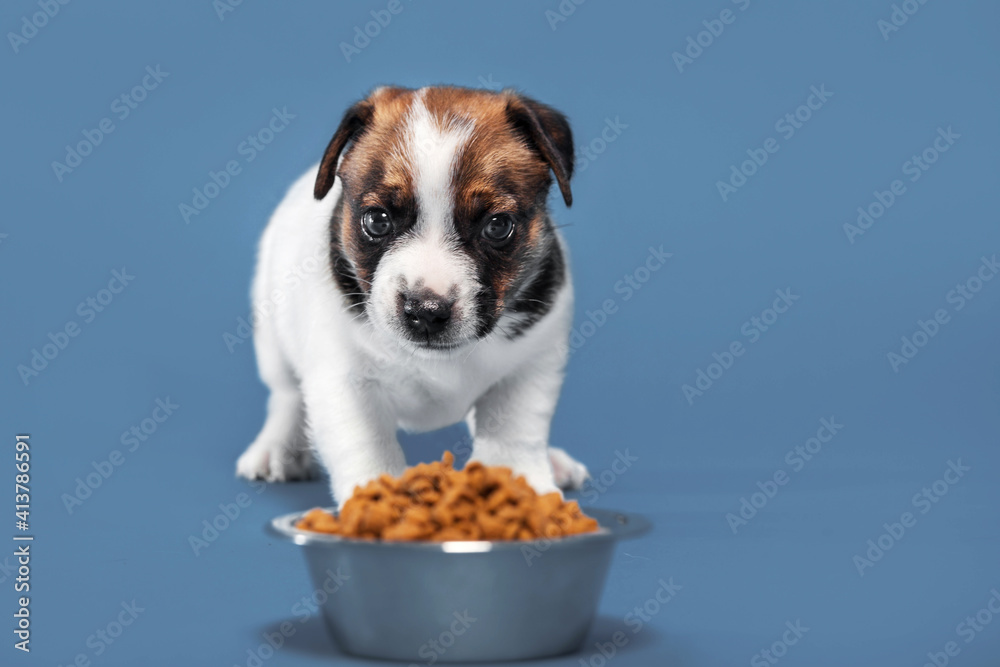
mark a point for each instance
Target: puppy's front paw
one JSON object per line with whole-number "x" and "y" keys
{"x": 567, "y": 471}
{"x": 276, "y": 464}
{"x": 345, "y": 478}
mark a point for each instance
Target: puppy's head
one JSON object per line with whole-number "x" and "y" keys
{"x": 442, "y": 228}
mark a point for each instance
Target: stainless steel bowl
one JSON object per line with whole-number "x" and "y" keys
{"x": 461, "y": 601}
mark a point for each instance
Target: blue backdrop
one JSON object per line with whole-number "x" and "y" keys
{"x": 805, "y": 390}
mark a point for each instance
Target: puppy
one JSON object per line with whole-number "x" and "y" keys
{"x": 417, "y": 279}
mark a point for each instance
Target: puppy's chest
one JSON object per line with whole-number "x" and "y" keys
{"x": 425, "y": 396}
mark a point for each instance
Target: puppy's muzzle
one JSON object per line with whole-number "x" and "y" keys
{"x": 426, "y": 313}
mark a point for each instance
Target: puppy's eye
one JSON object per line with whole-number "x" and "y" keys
{"x": 498, "y": 228}
{"x": 376, "y": 222}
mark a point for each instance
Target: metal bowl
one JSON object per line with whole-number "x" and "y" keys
{"x": 460, "y": 601}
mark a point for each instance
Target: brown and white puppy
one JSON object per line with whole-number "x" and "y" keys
{"x": 442, "y": 293}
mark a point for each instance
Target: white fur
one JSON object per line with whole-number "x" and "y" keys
{"x": 433, "y": 150}
{"x": 354, "y": 382}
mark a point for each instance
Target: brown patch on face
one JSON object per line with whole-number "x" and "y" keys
{"x": 500, "y": 171}
{"x": 374, "y": 175}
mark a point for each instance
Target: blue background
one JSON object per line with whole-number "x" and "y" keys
{"x": 655, "y": 184}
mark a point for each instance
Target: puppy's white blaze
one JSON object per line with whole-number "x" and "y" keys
{"x": 430, "y": 259}
{"x": 433, "y": 152}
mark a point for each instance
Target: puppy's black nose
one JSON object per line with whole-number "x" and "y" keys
{"x": 426, "y": 312}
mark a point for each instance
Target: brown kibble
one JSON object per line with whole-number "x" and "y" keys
{"x": 498, "y": 498}
{"x": 491, "y": 526}
{"x": 448, "y": 534}
{"x": 408, "y": 531}
{"x": 434, "y": 502}
{"x": 442, "y": 515}
{"x": 552, "y": 529}
{"x": 508, "y": 513}
{"x": 418, "y": 513}
{"x": 511, "y": 530}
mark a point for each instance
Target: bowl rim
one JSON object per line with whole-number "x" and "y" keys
{"x": 614, "y": 525}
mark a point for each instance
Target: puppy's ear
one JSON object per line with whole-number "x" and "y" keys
{"x": 549, "y": 133}
{"x": 353, "y": 123}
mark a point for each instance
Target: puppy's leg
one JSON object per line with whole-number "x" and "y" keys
{"x": 568, "y": 472}
{"x": 280, "y": 452}
{"x": 512, "y": 421}
{"x": 352, "y": 431}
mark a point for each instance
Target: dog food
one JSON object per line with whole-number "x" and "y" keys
{"x": 434, "y": 502}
